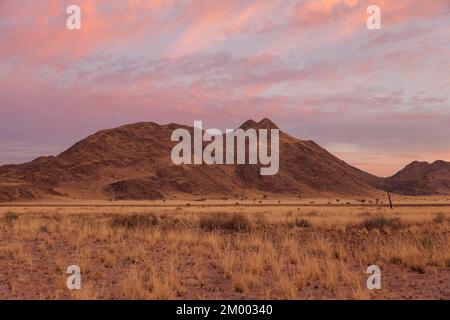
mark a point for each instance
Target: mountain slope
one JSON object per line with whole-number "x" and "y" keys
{"x": 133, "y": 162}
{"x": 420, "y": 178}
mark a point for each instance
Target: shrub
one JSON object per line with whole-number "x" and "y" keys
{"x": 439, "y": 218}
{"x": 226, "y": 222}
{"x": 426, "y": 243}
{"x": 380, "y": 222}
{"x": 302, "y": 223}
{"x": 134, "y": 221}
{"x": 10, "y": 216}
{"x": 447, "y": 263}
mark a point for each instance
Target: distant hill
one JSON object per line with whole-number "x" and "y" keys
{"x": 420, "y": 178}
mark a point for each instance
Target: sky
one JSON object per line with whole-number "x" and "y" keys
{"x": 378, "y": 99}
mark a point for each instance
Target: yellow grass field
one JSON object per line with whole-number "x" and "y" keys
{"x": 207, "y": 250}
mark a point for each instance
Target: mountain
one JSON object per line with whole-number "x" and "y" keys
{"x": 420, "y": 178}
{"x": 133, "y": 162}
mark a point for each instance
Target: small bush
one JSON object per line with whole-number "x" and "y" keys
{"x": 10, "y": 216}
{"x": 381, "y": 223}
{"x": 260, "y": 219}
{"x": 426, "y": 243}
{"x": 420, "y": 268}
{"x": 226, "y": 222}
{"x": 43, "y": 229}
{"x": 312, "y": 213}
{"x": 447, "y": 263}
{"x": 439, "y": 218}
{"x": 134, "y": 221}
{"x": 302, "y": 223}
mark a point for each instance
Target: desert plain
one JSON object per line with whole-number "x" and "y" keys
{"x": 226, "y": 249}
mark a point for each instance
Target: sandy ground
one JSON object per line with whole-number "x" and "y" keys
{"x": 188, "y": 249}
{"x": 332, "y": 200}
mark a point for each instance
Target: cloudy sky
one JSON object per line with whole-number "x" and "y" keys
{"x": 378, "y": 99}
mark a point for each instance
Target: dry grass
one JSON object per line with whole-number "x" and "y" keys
{"x": 134, "y": 221}
{"x": 381, "y": 223}
{"x": 235, "y": 222}
{"x": 192, "y": 253}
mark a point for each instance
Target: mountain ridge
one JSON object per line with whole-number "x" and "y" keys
{"x": 132, "y": 162}
{"x": 420, "y": 178}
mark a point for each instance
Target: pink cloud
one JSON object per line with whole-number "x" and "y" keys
{"x": 310, "y": 65}
{"x": 320, "y": 12}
